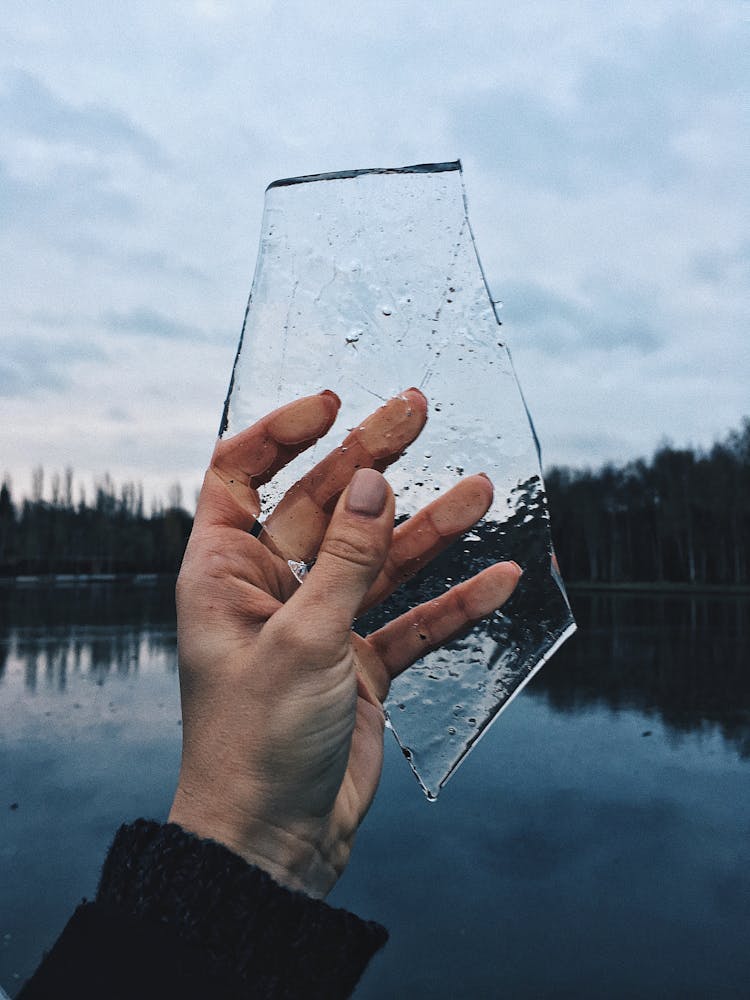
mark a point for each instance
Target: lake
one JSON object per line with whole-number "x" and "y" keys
{"x": 596, "y": 843}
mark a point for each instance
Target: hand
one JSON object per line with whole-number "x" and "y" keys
{"x": 282, "y": 701}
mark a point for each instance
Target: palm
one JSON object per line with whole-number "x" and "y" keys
{"x": 240, "y": 607}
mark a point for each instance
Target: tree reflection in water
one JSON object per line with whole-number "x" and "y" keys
{"x": 681, "y": 658}
{"x": 558, "y": 822}
{"x": 53, "y": 633}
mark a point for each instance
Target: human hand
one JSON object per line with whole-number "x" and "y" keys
{"x": 282, "y": 701}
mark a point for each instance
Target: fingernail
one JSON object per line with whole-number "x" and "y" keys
{"x": 491, "y": 484}
{"x": 514, "y": 563}
{"x": 367, "y": 493}
{"x": 330, "y": 392}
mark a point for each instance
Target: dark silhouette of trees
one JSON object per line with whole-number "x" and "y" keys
{"x": 111, "y": 534}
{"x": 682, "y": 517}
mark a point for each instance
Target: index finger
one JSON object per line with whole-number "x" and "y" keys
{"x": 251, "y": 458}
{"x": 297, "y": 526}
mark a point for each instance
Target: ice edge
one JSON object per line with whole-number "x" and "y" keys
{"x": 431, "y": 794}
{"x": 337, "y": 175}
{"x": 563, "y": 637}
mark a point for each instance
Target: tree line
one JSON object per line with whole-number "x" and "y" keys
{"x": 681, "y": 517}
{"x": 111, "y": 533}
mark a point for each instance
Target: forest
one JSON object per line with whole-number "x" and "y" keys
{"x": 111, "y": 533}
{"x": 682, "y": 516}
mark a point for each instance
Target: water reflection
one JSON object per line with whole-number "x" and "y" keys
{"x": 50, "y": 635}
{"x": 681, "y": 658}
{"x": 148, "y": 601}
{"x": 52, "y": 659}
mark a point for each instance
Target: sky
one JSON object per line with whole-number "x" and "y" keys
{"x": 605, "y": 160}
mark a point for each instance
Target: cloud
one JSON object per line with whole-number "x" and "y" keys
{"x": 146, "y": 322}
{"x": 156, "y": 262}
{"x": 604, "y": 165}
{"x": 593, "y": 444}
{"x": 723, "y": 266}
{"x": 33, "y": 365}
{"x": 18, "y": 379}
{"x": 67, "y": 169}
{"x": 141, "y": 263}
{"x": 624, "y": 120}
{"x": 118, "y": 414}
{"x": 562, "y": 325}
{"x": 28, "y": 107}
{"x": 73, "y": 197}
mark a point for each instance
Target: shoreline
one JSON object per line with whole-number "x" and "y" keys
{"x": 654, "y": 587}
{"x": 83, "y": 579}
{"x": 70, "y": 580}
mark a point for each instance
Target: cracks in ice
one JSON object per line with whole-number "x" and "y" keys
{"x": 285, "y": 340}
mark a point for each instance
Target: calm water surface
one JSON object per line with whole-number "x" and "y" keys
{"x": 595, "y": 844}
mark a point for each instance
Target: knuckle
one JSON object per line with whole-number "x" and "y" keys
{"x": 354, "y": 548}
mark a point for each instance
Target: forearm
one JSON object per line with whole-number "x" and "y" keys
{"x": 179, "y": 916}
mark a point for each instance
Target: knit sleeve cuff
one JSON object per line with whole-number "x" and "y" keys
{"x": 284, "y": 943}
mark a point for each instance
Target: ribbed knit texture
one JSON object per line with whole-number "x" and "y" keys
{"x": 217, "y": 926}
{"x": 285, "y": 941}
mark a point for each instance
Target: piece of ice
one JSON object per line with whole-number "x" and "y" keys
{"x": 367, "y": 282}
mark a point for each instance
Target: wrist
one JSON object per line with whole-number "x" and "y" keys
{"x": 300, "y": 859}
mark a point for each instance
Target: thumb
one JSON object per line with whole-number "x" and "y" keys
{"x": 352, "y": 553}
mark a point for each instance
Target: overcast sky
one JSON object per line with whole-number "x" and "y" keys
{"x": 605, "y": 153}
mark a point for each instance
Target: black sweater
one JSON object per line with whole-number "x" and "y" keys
{"x": 179, "y": 917}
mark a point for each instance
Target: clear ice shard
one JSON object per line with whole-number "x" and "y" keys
{"x": 366, "y": 282}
